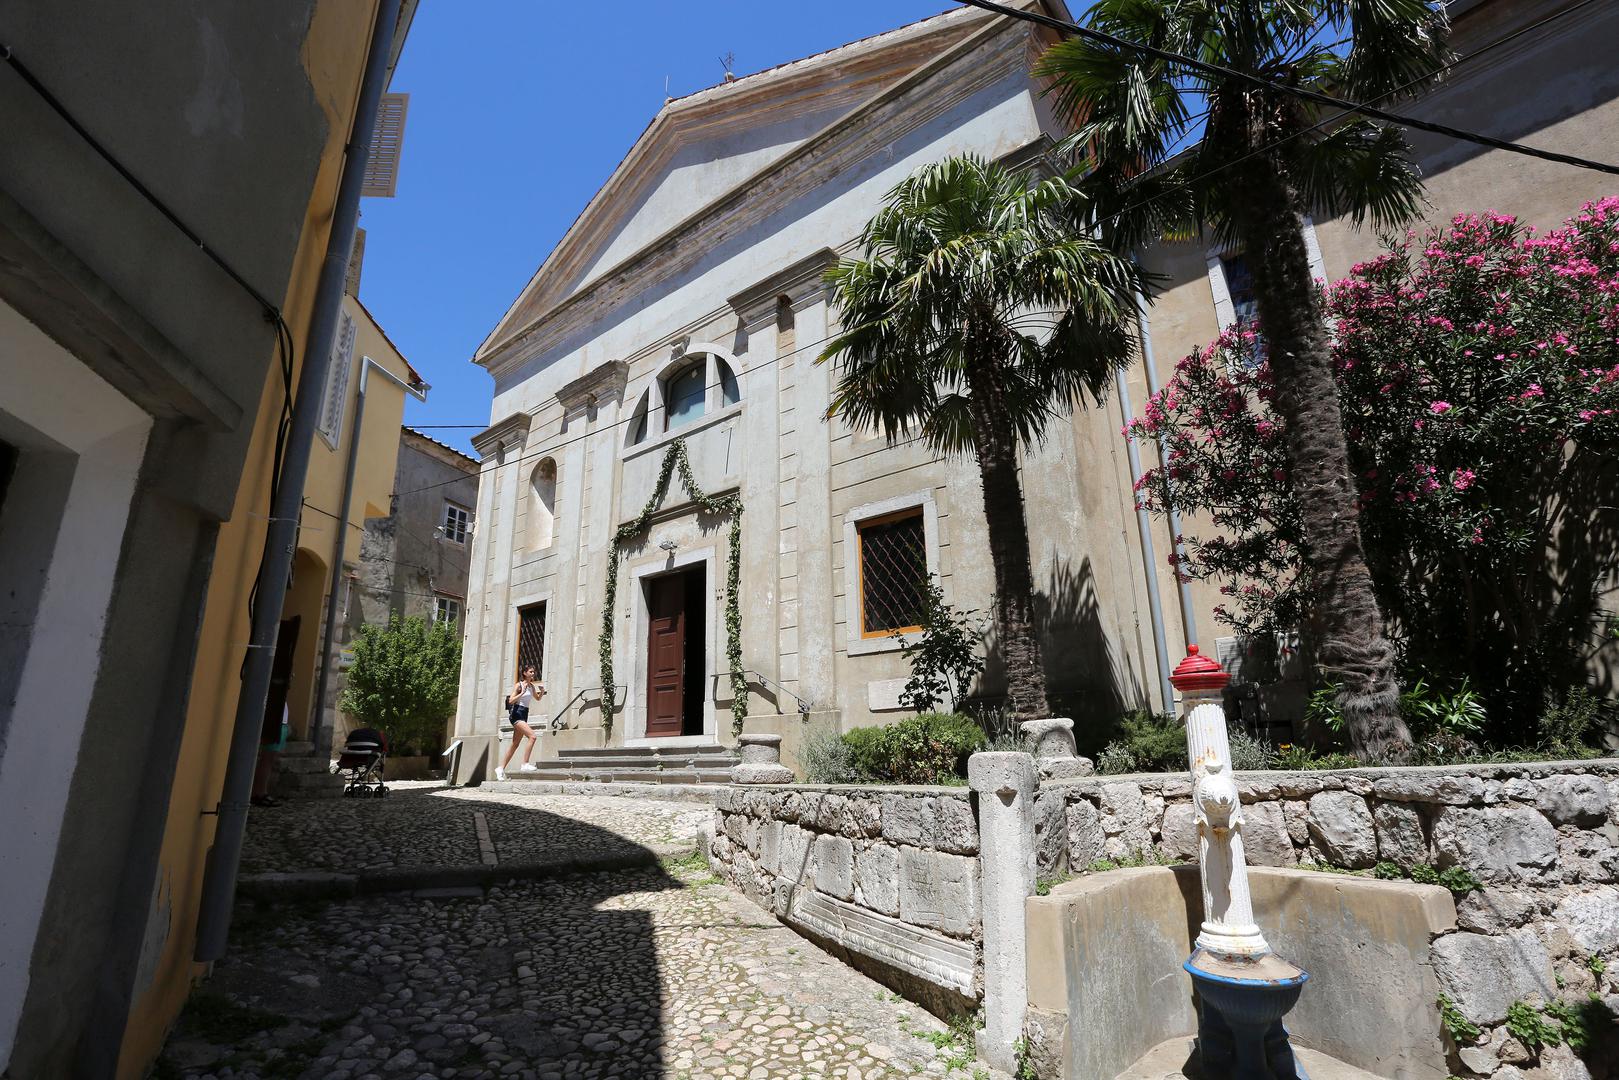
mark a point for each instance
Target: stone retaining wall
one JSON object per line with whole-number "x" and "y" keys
{"x": 886, "y": 878}
{"x": 1542, "y": 838}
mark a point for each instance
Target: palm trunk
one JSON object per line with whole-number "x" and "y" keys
{"x": 1354, "y": 651}
{"x": 1008, "y": 548}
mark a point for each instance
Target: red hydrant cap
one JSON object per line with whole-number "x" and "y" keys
{"x": 1198, "y": 672}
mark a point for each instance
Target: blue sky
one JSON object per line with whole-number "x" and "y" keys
{"x": 519, "y": 110}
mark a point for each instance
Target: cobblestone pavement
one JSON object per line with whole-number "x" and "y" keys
{"x": 652, "y": 972}
{"x": 424, "y": 824}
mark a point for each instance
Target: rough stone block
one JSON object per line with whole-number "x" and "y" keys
{"x": 770, "y": 846}
{"x": 828, "y": 812}
{"x": 719, "y": 849}
{"x": 862, "y": 817}
{"x": 1298, "y": 785}
{"x": 1485, "y": 974}
{"x": 1123, "y": 808}
{"x": 1050, "y": 833}
{"x": 1264, "y": 836}
{"x": 1498, "y": 844}
{"x": 938, "y": 890}
{"x": 1296, "y": 813}
{"x": 951, "y": 826}
{"x": 1590, "y": 856}
{"x": 1427, "y": 787}
{"x": 794, "y": 861}
{"x": 1572, "y": 800}
{"x": 834, "y": 866}
{"x": 1400, "y": 838}
{"x": 1591, "y": 919}
{"x": 905, "y": 819}
{"x": 876, "y": 870}
{"x": 1085, "y": 836}
{"x": 1341, "y": 826}
{"x": 1495, "y": 910}
{"x": 1179, "y": 833}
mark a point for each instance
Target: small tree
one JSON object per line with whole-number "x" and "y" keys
{"x": 944, "y": 659}
{"x": 404, "y": 679}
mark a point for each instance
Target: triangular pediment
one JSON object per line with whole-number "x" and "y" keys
{"x": 702, "y": 146}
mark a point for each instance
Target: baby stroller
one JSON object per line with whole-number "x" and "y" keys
{"x": 361, "y": 761}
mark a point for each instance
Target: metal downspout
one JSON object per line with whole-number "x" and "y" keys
{"x": 1155, "y": 603}
{"x": 323, "y": 728}
{"x": 1188, "y": 619}
{"x": 280, "y": 542}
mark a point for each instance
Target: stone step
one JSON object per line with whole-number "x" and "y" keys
{"x": 1173, "y": 1060}
{"x": 624, "y": 773}
{"x": 649, "y": 752}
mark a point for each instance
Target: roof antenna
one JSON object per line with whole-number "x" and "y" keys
{"x": 666, "y": 89}
{"x": 726, "y": 62}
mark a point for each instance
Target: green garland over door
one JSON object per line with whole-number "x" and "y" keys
{"x": 675, "y": 456}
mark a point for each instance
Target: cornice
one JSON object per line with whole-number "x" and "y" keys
{"x": 498, "y": 438}
{"x": 844, "y": 75}
{"x": 978, "y": 61}
{"x": 604, "y": 381}
{"x": 799, "y": 283}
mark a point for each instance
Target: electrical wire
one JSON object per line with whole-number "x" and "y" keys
{"x": 1300, "y": 92}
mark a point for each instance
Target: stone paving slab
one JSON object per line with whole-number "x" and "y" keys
{"x": 426, "y": 825}
{"x": 1173, "y": 1060}
{"x": 649, "y": 972}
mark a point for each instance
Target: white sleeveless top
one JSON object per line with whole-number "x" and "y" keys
{"x": 526, "y": 698}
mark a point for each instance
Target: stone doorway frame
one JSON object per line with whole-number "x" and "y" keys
{"x": 635, "y": 706}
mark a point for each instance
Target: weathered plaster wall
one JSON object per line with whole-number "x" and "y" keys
{"x": 887, "y": 878}
{"x": 1543, "y": 840}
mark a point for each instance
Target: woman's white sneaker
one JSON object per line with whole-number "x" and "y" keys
{"x": 529, "y": 766}
{"x": 500, "y": 773}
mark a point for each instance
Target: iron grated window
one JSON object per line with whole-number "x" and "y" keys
{"x": 531, "y": 639}
{"x": 893, "y": 573}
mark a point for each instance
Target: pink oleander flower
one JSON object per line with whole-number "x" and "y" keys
{"x": 1439, "y": 408}
{"x": 1463, "y": 479}
{"x": 1532, "y": 391}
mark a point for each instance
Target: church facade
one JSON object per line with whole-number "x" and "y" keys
{"x": 686, "y": 306}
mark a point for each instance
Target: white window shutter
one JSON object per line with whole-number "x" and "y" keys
{"x": 387, "y": 140}
{"x": 337, "y": 383}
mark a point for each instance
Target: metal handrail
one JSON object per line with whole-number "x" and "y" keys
{"x": 804, "y": 707}
{"x": 557, "y": 714}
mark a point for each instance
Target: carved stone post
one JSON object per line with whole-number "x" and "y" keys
{"x": 1052, "y": 744}
{"x": 1228, "y": 912}
{"x": 761, "y": 761}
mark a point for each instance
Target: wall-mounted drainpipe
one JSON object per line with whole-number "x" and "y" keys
{"x": 1188, "y": 618}
{"x": 323, "y": 725}
{"x": 225, "y": 856}
{"x": 1155, "y": 603}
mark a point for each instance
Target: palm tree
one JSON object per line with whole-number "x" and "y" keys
{"x": 1265, "y": 158}
{"x": 981, "y": 309}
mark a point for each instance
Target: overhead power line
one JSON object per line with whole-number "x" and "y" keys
{"x": 1301, "y": 92}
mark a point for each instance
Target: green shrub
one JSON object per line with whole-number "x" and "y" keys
{"x": 1388, "y": 871}
{"x": 1462, "y": 1030}
{"x": 1565, "y": 728}
{"x": 826, "y": 758}
{"x": 1423, "y": 874}
{"x": 1458, "y": 880}
{"x": 1147, "y": 742}
{"x": 1526, "y": 1024}
{"x": 1585, "y": 1025}
{"x": 1249, "y": 753}
{"x": 1116, "y": 759}
{"x": 932, "y": 748}
{"x": 1299, "y": 759}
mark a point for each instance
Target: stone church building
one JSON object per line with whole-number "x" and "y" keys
{"x": 686, "y": 303}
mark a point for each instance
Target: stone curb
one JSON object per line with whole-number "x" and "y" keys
{"x": 329, "y": 885}
{"x": 703, "y": 793}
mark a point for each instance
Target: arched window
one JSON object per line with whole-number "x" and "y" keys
{"x": 638, "y": 423}
{"x": 684, "y": 395}
{"x": 730, "y": 392}
{"x": 542, "y": 505}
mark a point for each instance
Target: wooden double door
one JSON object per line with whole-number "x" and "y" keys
{"x": 675, "y": 652}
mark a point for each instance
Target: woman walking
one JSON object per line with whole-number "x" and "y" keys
{"x": 525, "y": 694}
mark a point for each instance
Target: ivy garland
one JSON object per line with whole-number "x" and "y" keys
{"x": 730, "y": 504}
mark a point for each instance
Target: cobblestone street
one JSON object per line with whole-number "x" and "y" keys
{"x": 655, "y": 971}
